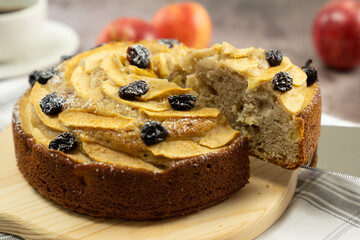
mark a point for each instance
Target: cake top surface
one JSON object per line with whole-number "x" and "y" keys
{"x": 124, "y": 103}
{"x": 149, "y": 130}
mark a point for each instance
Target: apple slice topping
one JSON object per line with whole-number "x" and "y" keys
{"x": 178, "y": 149}
{"x": 106, "y": 155}
{"x": 298, "y": 75}
{"x": 141, "y": 72}
{"x": 81, "y": 82}
{"x": 161, "y": 66}
{"x": 219, "y": 136}
{"x": 292, "y": 101}
{"x": 79, "y": 119}
{"x": 113, "y": 70}
{"x": 240, "y": 65}
{"x": 187, "y": 127}
{"x": 227, "y": 50}
{"x": 202, "y": 112}
{"x": 162, "y": 88}
{"x": 94, "y": 60}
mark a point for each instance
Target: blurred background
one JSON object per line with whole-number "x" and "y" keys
{"x": 273, "y": 24}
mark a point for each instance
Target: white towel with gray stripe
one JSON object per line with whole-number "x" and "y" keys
{"x": 324, "y": 206}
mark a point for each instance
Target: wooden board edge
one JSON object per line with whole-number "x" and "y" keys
{"x": 29, "y": 231}
{"x": 275, "y": 213}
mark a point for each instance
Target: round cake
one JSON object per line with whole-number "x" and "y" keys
{"x": 154, "y": 129}
{"x": 104, "y": 134}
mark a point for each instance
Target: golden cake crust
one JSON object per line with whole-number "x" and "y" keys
{"x": 311, "y": 123}
{"x": 105, "y": 190}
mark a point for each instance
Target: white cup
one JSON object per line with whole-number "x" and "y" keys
{"x": 21, "y": 23}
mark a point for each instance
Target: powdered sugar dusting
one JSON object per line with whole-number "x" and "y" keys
{"x": 16, "y": 117}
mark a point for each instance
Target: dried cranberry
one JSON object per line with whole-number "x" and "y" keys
{"x": 168, "y": 42}
{"x": 182, "y": 102}
{"x": 138, "y": 55}
{"x": 282, "y": 81}
{"x": 135, "y": 89}
{"x": 274, "y": 57}
{"x": 65, "y": 142}
{"x": 65, "y": 57}
{"x": 51, "y": 104}
{"x": 311, "y": 73}
{"x": 45, "y": 76}
{"x": 34, "y": 77}
{"x": 153, "y": 132}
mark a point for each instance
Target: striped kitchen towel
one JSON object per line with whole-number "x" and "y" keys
{"x": 325, "y": 206}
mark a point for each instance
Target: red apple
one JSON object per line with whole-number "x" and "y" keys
{"x": 126, "y": 29}
{"x": 336, "y": 34}
{"x": 188, "y": 22}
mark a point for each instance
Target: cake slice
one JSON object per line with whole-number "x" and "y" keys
{"x": 282, "y": 119}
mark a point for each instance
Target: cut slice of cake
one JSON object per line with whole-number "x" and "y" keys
{"x": 271, "y": 102}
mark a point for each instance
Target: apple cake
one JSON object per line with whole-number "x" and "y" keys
{"x": 150, "y": 130}
{"x": 103, "y": 134}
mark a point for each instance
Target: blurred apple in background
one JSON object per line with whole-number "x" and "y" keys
{"x": 336, "y": 34}
{"x": 188, "y": 22}
{"x": 126, "y": 29}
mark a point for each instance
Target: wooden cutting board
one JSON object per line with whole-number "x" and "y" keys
{"x": 247, "y": 213}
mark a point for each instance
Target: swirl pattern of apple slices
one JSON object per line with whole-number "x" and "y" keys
{"x": 109, "y": 126}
